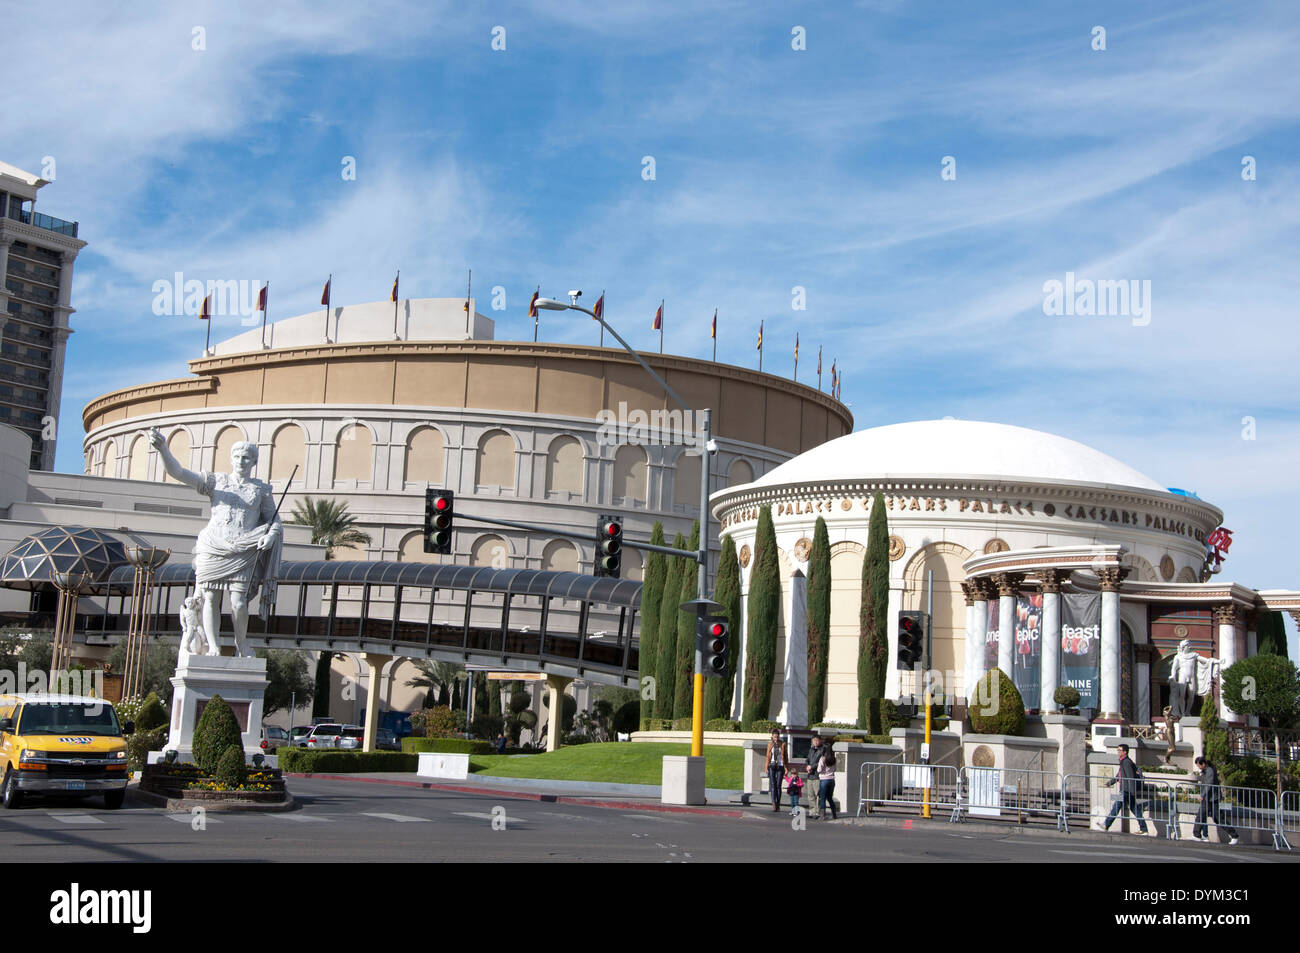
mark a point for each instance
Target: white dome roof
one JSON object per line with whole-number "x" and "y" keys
{"x": 956, "y": 448}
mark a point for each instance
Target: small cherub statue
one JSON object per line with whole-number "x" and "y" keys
{"x": 193, "y": 638}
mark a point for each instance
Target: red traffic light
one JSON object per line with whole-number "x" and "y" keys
{"x": 717, "y": 629}
{"x": 612, "y": 529}
{"x": 441, "y": 503}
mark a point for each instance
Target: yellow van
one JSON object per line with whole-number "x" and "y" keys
{"x": 61, "y": 744}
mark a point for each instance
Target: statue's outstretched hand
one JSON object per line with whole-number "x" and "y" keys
{"x": 157, "y": 439}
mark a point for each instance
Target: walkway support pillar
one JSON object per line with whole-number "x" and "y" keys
{"x": 374, "y": 663}
{"x": 555, "y": 686}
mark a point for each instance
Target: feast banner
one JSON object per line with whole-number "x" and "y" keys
{"x": 1081, "y": 646}
{"x": 1026, "y": 661}
{"x": 991, "y": 637}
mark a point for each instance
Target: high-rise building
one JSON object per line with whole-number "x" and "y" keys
{"x": 36, "y": 256}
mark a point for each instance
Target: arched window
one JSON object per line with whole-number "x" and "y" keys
{"x": 179, "y": 445}
{"x": 109, "y": 467}
{"x": 630, "y": 474}
{"x": 139, "y": 459}
{"x": 411, "y": 550}
{"x": 90, "y": 457}
{"x": 490, "y": 550}
{"x": 686, "y": 480}
{"x": 496, "y": 460}
{"x": 425, "y": 456}
{"x": 561, "y": 556}
{"x": 741, "y": 473}
{"x": 352, "y": 454}
{"x": 226, "y": 440}
{"x": 288, "y": 450}
{"x": 564, "y": 466}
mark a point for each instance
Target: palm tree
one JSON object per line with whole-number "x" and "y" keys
{"x": 330, "y": 523}
{"x": 432, "y": 674}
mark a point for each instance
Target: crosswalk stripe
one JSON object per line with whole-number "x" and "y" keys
{"x": 400, "y": 818}
{"x": 301, "y": 817}
{"x": 187, "y": 818}
{"x": 480, "y": 816}
{"x": 77, "y": 818}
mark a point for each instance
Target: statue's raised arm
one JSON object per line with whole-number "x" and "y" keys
{"x": 171, "y": 464}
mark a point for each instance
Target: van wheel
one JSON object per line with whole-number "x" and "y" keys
{"x": 12, "y": 796}
{"x": 113, "y": 799}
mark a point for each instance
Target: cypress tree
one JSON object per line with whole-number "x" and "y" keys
{"x": 873, "y": 635}
{"x": 457, "y": 704}
{"x": 320, "y": 699}
{"x": 667, "y": 649}
{"x": 719, "y": 692}
{"x": 819, "y": 621}
{"x": 684, "y": 686}
{"x": 480, "y": 694}
{"x": 764, "y": 619}
{"x": 652, "y": 593}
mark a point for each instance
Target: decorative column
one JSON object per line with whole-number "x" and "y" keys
{"x": 65, "y": 619}
{"x": 1226, "y": 618}
{"x": 976, "y": 634}
{"x": 794, "y": 695}
{"x": 374, "y": 663}
{"x": 555, "y": 686}
{"x": 1008, "y": 584}
{"x": 147, "y": 560}
{"x": 1110, "y": 579}
{"x": 1051, "y": 635}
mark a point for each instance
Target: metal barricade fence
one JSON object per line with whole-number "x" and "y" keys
{"x": 1288, "y": 817}
{"x": 1002, "y": 792}
{"x": 892, "y": 783}
{"x": 1092, "y": 797}
{"x": 1231, "y": 810}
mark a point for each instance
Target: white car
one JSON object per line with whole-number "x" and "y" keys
{"x": 325, "y": 736}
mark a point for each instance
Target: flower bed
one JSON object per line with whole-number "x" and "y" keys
{"x": 187, "y": 780}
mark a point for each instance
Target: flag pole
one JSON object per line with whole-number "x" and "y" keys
{"x": 207, "y": 341}
{"x": 266, "y": 300}
{"x": 396, "y": 288}
{"x": 796, "y": 358}
{"x": 661, "y": 325}
{"x": 715, "y": 335}
{"x": 329, "y": 292}
{"x": 819, "y": 367}
{"x": 536, "y": 313}
{"x": 469, "y": 325}
{"x": 760, "y": 347}
{"x": 602, "y": 323}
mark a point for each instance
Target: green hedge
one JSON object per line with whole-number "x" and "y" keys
{"x": 721, "y": 724}
{"x": 307, "y": 761}
{"x": 658, "y": 724}
{"x": 766, "y": 726}
{"x": 682, "y": 724}
{"x": 445, "y": 746}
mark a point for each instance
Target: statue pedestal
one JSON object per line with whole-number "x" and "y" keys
{"x": 241, "y": 682}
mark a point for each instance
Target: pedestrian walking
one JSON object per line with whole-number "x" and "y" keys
{"x": 826, "y": 788}
{"x": 1210, "y": 805}
{"x": 816, "y": 751}
{"x": 778, "y": 756}
{"x": 1130, "y": 780}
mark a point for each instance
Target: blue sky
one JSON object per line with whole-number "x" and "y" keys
{"x": 774, "y": 168}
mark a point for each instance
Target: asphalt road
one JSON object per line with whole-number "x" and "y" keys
{"x": 344, "y": 821}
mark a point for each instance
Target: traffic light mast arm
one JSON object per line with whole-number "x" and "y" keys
{"x": 585, "y": 537}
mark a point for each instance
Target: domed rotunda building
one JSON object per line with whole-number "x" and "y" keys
{"x": 1096, "y": 570}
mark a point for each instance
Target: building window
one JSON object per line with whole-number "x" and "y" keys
{"x": 630, "y": 474}
{"x": 491, "y": 551}
{"x": 496, "y": 460}
{"x": 352, "y": 454}
{"x": 425, "y": 456}
{"x": 564, "y": 464}
{"x": 179, "y": 445}
{"x": 686, "y": 480}
{"x": 288, "y": 450}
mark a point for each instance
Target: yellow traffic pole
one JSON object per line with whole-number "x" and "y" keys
{"x": 697, "y": 717}
{"x": 925, "y": 804}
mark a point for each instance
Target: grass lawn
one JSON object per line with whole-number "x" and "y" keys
{"x": 619, "y": 762}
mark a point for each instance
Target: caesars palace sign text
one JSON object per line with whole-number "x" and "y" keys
{"x": 982, "y": 505}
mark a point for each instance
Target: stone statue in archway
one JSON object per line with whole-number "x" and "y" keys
{"x": 238, "y": 552}
{"x": 1190, "y": 676}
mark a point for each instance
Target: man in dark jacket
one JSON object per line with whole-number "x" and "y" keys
{"x": 1210, "y": 794}
{"x": 1129, "y": 779}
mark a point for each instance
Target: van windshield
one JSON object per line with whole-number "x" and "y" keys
{"x": 50, "y": 718}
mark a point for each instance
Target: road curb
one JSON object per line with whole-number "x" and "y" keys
{"x": 600, "y": 802}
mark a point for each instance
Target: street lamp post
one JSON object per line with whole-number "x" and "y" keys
{"x": 702, "y": 554}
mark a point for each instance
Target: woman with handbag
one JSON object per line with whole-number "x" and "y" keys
{"x": 778, "y": 756}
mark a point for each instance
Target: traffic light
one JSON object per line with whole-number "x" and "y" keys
{"x": 714, "y": 634}
{"x": 439, "y": 510}
{"x": 609, "y": 546}
{"x": 911, "y": 638}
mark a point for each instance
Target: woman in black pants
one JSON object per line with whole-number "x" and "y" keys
{"x": 778, "y": 756}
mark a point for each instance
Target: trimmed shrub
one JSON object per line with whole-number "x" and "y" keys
{"x": 627, "y": 717}
{"x": 576, "y": 738}
{"x": 721, "y": 724}
{"x": 230, "y": 772}
{"x": 832, "y": 724}
{"x": 652, "y": 592}
{"x": 216, "y": 731}
{"x": 445, "y": 746}
{"x": 719, "y": 692}
{"x": 487, "y": 726}
{"x": 308, "y": 761}
{"x": 1214, "y": 740}
{"x": 141, "y": 743}
{"x": 873, "y": 615}
{"x": 682, "y": 724}
{"x": 442, "y": 722}
{"x": 1066, "y": 696}
{"x": 151, "y": 714}
{"x": 764, "y": 618}
{"x": 658, "y": 724}
{"x": 1007, "y": 715}
{"x": 764, "y": 725}
{"x": 519, "y": 700}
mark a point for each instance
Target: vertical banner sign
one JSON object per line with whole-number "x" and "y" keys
{"x": 991, "y": 637}
{"x": 1026, "y": 662}
{"x": 1081, "y": 646}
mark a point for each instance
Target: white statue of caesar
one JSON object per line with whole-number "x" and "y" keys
{"x": 239, "y": 550}
{"x": 1191, "y": 675}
